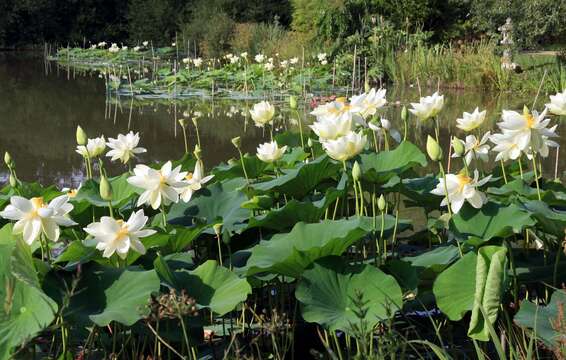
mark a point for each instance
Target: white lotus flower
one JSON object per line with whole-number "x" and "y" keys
{"x": 197, "y": 62}
{"x": 102, "y": 44}
{"x": 345, "y": 147}
{"x": 244, "y": 55}
{"x": 234, "y": 59}
{"x": 161, "y": 186}
{"x": 270, "y": 152}
{"x": 268, "y": 66}
{"x": 34, "y": 217}
{"x": 137, "y": 48}
{"x": 262, "y": 113}
{"x": 114, "y": 48}
{"x": 472, "y": 121}
{"x": 428, "y": 106}
{"x": 259, "y": 58}
{"x": 124, "y": 147}
{"x": 332, "y": 128}
{"x": 116, "y": 236}
{"x": 145, "y": 43}
{"x": 94, "y": 147}
{"x": 194, "y": 181}
{"x": 321, "y": 57}
{"x": 505, "y": 147}
{"x": 369, "y": 102}
{"x": 336, "y": 110}
{"x": 557, "y": 104}
{"x": 476, "y": 149}
{"x": 284, "y": 64}
{"x": 529, "y": 131}
{"x": 294, "y": 60}
{"x": 461, "y": 188}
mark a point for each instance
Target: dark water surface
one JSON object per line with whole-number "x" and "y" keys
{"x": 41, "y": 106}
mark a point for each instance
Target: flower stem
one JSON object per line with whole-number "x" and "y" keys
{"x": 300, "y": 128}
{"x": 445, "y": 187}
{"x": 503, "y": 171}
{"x": 185, "y": 139}
{"x": 219, "y": 249}
{"x": 243, "y": 166}
{"x": 163, "y": 216}
{"x": 536, "y": 176}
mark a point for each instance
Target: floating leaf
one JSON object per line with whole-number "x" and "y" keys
{"x": 328, "y": 288}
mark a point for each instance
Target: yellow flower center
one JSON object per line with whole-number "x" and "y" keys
{"x": 37, "y": 203}
{"x": 530, "y": 119}
{"x": 189, "y": 176}
{"x": 123, "y": 230}
{"x": 72, "y": 193}
{"x": 463, "y": 180}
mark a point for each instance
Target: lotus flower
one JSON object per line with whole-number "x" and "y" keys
{"x": 476, "y": 149}
{"x": 34, "y": 217}
{"x": 116, "y": 236}
{"x": 461, "y": 188}
{"x": 332, "y": 128}
{"x": 194, "y": 181}
{"x": 161, "y": 186}
{"x": 345, "y": 147}
{"x": 124, "y": 147}
{"x": 557, "y": 104}
{"x": 94, "y": 147}
{"x": 262, "y": 113}
{"x": 270, "y": 152}
{"x": 428, "y": 106}
{"x": 369, "y": 102}
{"x": 472, "y": 121}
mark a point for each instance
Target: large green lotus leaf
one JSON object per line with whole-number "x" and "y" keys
{"x": 254, "y": 169}
{"x": 110, "y": 294}
{"x": 489, "y": 284}
{"x": 328, "y": 288}
{"x": 122, "y": 191}
{"x": 454, "y": 287}
{"x": 417, "y": 191}
{"x": 436, "y": 259}
{"x": 492, "y": 220}
{"x": 553, "y": 195}
{"x": 380, "y": 167}
{"x": 26, "y": 309}
{"x": 214, "y": 287}
{"x": 302, "y": 179}
{"x": 218, "y": 203}
{"x": 290, "y": 253}
{"x": 296, "y": 211}
{"x": 552, "y": 221}
{"x": 543, "y": 319}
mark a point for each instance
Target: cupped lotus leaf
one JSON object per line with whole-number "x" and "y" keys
{"x": 26, "y": 308}
{"x": 295, "y": 211}
{"x": 122, "y": 192}
{"x": 290, "y": 253}
{"x": 329, "y": 288}
{"x": 217, "y": 203}
{"x": 544, "y": 320}
{"x": 380, "y": 167}
{"x": 492, "y": 220}
{"x": 454, "y": 288}
{"x": 302, "y": 179}
{"x": 213, "y": 286}
{"x": 110, "y": 294}
{"x": 550, "y": 220}
{"x": 489, "y": 286}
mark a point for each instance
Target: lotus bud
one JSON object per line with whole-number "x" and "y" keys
{"x": 217, "y": 229}
{"x": 404, "y": 113}
{"x": 293, "y": 102}
{"x": 13, "y": 180}
{"x": 195, "y": 121}
{"x": 433, "y": 149}
{"x": 183, "y": 122}
{"x": 237, "y": 142}
{"x": 366, "y": 86}
{"x": 81, "y": 136}
{"x": 458, "y": 146}
{"x": 197, "y": 152}
{"x": 356, "y": 171}
{"x": 310, "y": 143}
{"x": 233, "y": 162}
{"x": 105, "y": 189}
{"x": 8, "y": 160}
{"x": 381, "y": 203}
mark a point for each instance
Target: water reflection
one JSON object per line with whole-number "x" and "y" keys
{"x": 39, "y": 112}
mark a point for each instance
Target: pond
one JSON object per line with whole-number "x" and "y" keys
{"x": 41, "y": 105}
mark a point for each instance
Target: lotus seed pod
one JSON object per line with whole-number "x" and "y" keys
{"x": 433, "y": 149}
{"x": 13, "y": 180}
{"x": 8, "y": 160}
{"x": 105, "y": 189}
{"x": 183, "y": 122}
{"x": 237, "y": 141}
{"x": 81, "y": 136}
{"x": 218, "y": 229}
{"x": 458, "y": 146}
{"x": 356, "y": 171}
{"x": 293, "y": 102}
{"x": 404, "y": 113}
{"x": 381, "y": 203}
